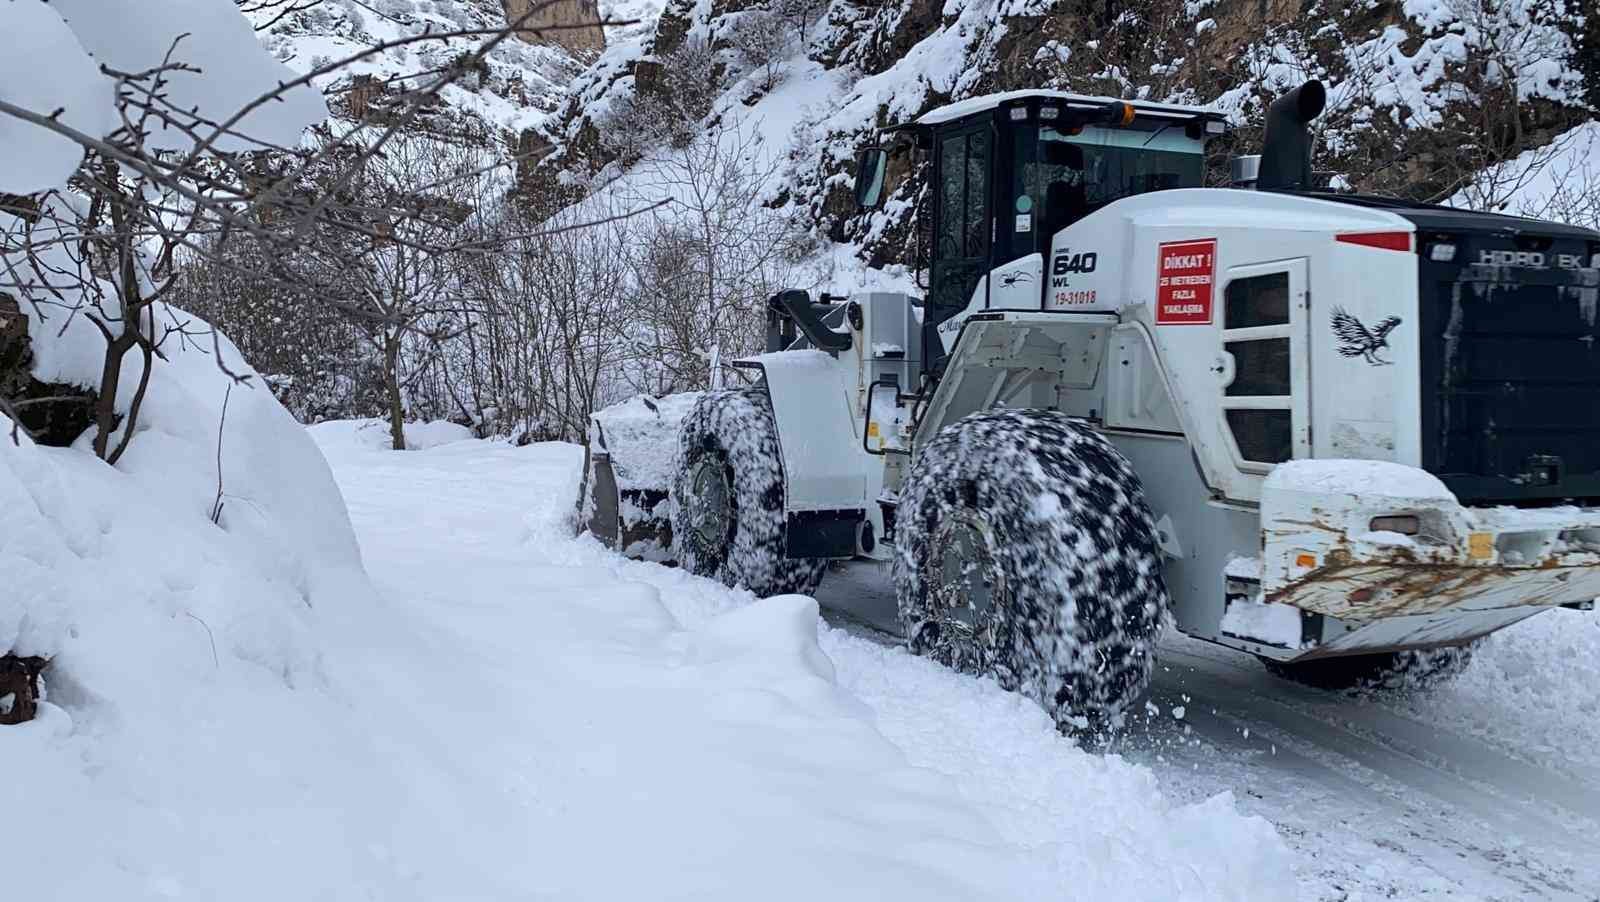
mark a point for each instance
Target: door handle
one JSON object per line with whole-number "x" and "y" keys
{"x": 1223, "y": 366}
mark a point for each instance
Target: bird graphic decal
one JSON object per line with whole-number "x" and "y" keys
{"x": 1356, "y": 340}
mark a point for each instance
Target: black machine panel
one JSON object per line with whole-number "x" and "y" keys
{"x": 1510, "y": 358}
{"x": 1511, "y": 367}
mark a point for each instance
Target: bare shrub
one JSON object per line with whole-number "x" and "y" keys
{"x": 761, "y": 37}
{"x": 710, "y": 259}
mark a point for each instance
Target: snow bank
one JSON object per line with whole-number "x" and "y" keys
{"x": 1532, "y": 689}
{"x": 143, "y": 529}
{"x": 656, "y": 735}
{"x": 194, "y": 726}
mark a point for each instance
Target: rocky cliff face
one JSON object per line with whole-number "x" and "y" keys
{"x": 1424, "y": 93}
{"x": 515, "y": 90}
{"x": 573, "y": 24}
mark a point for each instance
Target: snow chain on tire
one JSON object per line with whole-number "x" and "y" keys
{"x": 1025, "y": 550}
{"x": 728, "y": 491}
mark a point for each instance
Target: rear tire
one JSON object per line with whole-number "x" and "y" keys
{"x": 1025, "y": 551}
{"x": 1417, "y": 670}
{"x": 728, "y": 517}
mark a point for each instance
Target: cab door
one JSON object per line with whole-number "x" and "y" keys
{"x": 1263, "y": 372}
{"x": 964, "y": 167}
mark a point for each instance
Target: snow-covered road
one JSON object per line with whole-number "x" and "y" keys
{"x": 663, "y": 737}
{"x": 1387, "y": 798}
{"x": 630, "y": 732}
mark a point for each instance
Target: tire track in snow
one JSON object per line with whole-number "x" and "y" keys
{"x": 1403, "y": 827}
{"x": 1422, "y": 786}
{"x": 1439, "y": 758}
{"x": 1508, "y": 819}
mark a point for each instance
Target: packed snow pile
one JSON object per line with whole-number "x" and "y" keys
{"x": 649, "y": 734}
{"x": 192, "y": 716}
{"x": 640, "y": 433}
{"x": 1533, "y": 689}
{"x": 1263, "y": 621}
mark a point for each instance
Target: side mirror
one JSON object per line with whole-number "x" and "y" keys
{"x": 888, "y": 419}
{"x": 871, "y": 165}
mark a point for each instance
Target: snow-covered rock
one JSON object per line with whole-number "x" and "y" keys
{"x": 62, "y": 57}
{"x": 37, "y": 159}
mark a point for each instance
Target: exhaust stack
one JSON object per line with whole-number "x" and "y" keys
{"x": 1243, "y": 171}
{"x": 1286, "y": 149}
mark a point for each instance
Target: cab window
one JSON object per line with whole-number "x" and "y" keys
{"x": 1258, "y": 402}
{"x": 964, "y": 186}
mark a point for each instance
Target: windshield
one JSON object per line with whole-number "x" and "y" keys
{"x": 1065, "y": 177}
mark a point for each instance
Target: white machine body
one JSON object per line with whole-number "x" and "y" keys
{"x": 1257, "y": 356}
{"x": 1361, "y": 425}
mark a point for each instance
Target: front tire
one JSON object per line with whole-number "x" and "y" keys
{"x": 1025, "y": 551}
{"x": 728, "y": 491}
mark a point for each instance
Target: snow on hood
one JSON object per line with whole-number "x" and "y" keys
{"x": 1364, "y": 477}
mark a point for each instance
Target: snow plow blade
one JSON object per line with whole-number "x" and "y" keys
{"x": 628, "y": 470}
{"x": 1455, "y": 574}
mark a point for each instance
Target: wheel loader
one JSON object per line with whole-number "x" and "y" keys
{"x": 1349, "y": 435}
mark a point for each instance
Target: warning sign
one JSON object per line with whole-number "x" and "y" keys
{"x": 1185, "y": 276}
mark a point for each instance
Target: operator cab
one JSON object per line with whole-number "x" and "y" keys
{"x": 1011, "y": 170}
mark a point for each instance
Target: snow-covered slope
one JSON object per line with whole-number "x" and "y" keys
{"x": 520, "y": 85}
{"x": 1405, "y": 80}
{"x": 636, "y": 18}
{"x": 1558, "y": 181}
